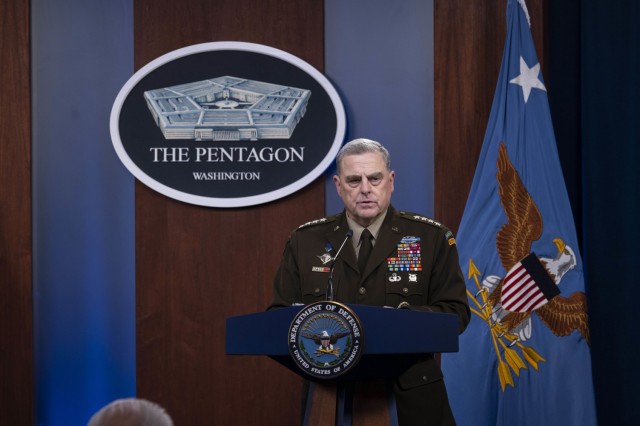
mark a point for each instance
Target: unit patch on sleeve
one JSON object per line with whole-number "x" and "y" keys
{"x": 450, "y": 239}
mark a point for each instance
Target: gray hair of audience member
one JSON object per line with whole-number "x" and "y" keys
{"x": 131, "y": 412}
{"x": 362, "y": 146}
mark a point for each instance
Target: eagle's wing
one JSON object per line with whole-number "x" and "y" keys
{"x": 512, "y": 319}
{"x": 335, "y": 336}
{"x": 524, "y": 222}
{"x": 313, "y": 336}
{"x": 563, "y": 315}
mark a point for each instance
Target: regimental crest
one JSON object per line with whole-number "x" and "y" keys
{"x": 326, "y": 339}
{"x": 531, "y": 285}
{"x": 326, "y": 257}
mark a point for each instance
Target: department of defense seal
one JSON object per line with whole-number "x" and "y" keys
{"x": 326, "y": 339}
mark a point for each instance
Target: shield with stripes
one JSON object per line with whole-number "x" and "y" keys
{"x": 527, "y": 286}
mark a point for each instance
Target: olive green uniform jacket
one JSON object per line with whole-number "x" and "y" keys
{"x": 394, "y": 274}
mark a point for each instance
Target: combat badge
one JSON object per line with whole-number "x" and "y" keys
{"x": 326, "y": 339}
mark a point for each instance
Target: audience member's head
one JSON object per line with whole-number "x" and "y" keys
{"x": 131, "y": 412}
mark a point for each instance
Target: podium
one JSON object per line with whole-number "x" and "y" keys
{"x": 394, "y": 339}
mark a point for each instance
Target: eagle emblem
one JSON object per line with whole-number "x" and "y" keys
{"x": 530, "y": 286}
{"x": 326, "y": 341}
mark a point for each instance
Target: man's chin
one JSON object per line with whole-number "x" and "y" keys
{"x": 368, "y": 213}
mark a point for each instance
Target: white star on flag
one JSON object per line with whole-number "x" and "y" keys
{"x": 528, "y": 79}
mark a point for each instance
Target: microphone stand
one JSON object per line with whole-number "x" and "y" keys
{"x": 333, "y": 262}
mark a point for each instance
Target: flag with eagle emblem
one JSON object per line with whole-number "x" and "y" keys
{"x": 525, "y": 357}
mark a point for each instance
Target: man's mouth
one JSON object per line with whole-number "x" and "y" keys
{"x": 367, "y": 203}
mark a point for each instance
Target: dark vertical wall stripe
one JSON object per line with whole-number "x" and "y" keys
{"x": 16, "y": 326}
{"x": 83, "y": 275}
{"x": 610, "y": 64}
{"x": 563, "y": 83}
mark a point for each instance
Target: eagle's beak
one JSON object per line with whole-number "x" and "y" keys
{"x": 560, "y": 244}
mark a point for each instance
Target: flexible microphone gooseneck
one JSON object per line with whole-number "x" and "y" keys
{"x": 333, "y": 262}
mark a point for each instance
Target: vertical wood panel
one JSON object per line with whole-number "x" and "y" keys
{"x": 469, "y": 40}
{"x": 16, "y": 312}
{"x": 196, "y": 266}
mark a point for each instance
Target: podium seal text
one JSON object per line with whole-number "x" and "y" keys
{"x": 326, "y": 339}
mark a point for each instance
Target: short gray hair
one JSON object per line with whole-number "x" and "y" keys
{"x": 131, "y": 412}
{"x": 361, "y": 146}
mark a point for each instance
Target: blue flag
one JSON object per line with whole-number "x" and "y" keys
{"x": 525, "y": 357}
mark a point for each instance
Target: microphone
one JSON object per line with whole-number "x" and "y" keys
{"x": 333, "y": 262}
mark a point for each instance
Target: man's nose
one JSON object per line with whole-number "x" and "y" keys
{"x": 365, "y": 186}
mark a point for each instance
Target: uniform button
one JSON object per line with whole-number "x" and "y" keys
{"x": 317, "y": 290}
{"x": 424, "y": 378}
{"x": 362, "y": 290}
{"x": 405, "y": 290}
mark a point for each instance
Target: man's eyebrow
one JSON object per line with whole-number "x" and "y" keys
{"x": 373, "y": 175}
{"x": 353, "y": 177}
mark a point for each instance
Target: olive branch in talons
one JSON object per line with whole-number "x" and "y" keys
{"x": 505, "y": 344}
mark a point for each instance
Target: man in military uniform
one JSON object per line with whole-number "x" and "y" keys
{"x": 409, "y": 262}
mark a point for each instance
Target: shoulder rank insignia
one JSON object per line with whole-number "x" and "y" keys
{"x": 420, "y": 218}
{"x": 313, "y": 222}
{"x": 318, "y": 221}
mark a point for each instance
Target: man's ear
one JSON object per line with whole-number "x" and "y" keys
{"x": 336, "y": 181}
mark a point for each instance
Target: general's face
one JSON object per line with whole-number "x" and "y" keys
{"x": 365, "y": 186}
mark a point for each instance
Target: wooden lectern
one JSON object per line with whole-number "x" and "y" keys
{"x": 394, "y": 340}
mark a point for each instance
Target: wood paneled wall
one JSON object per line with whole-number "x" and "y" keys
{"x": 469, "y": 38}
{"x": 196, "y": 266}
{"x": 16, "y": 313}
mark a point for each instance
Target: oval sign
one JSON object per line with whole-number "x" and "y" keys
{"x": 227, "y": 124}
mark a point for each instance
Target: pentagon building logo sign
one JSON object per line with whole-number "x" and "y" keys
{"x": 227, "y": 124}
{"x": 227, "y": 108}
